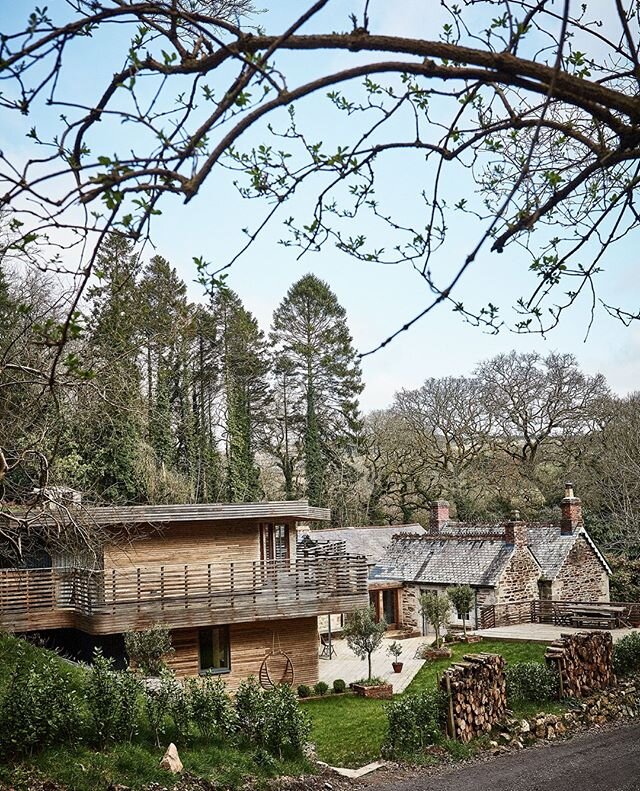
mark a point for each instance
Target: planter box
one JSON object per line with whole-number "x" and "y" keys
{"x": 380, "y": 692}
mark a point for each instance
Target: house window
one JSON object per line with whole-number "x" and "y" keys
{"x": 215, "y": 653}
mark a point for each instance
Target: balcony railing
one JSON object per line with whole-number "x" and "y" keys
{"x": 187, "y": 594}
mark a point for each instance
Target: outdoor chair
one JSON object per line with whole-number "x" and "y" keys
{"x": 327, "y": 650}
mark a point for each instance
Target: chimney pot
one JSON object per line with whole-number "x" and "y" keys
{"x": 439, "y": 515}
{"x": 515, "y": 530}
{"x": 571, "y": 507}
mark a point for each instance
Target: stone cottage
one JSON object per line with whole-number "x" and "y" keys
{"x": 513, "y": 562}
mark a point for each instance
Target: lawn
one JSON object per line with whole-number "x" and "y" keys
{"x": 350, "y": 731}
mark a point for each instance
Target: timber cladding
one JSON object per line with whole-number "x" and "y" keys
{"x": 250, "y": 643}
{"x": 189, "y": 543}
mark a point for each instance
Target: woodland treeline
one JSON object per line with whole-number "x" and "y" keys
{"x": 169, "y": 401}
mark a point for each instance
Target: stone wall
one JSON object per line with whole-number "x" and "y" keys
{"x": 519, "y": 581}
{"x": 477, "y": 695}
{"x": 582, "y": 576}
{"x": 410, "y": 604}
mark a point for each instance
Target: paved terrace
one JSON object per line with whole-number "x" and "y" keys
{"x": 346, "y": 665}
{"x": 540, "y": 632}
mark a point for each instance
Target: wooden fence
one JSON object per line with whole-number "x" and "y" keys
{"x": 116, "y": 599}
{"x": 558, "y": 613}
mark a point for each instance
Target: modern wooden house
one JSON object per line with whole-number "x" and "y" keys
{"x": 226, "y": 579}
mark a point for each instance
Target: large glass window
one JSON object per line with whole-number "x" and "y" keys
{"x": 215, "y": 654}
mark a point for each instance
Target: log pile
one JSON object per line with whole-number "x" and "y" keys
{"x": 584, "y": 662}
{"x": 477, "y": 695}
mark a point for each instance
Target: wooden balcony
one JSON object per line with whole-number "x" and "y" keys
{"x": 117, "y": 600}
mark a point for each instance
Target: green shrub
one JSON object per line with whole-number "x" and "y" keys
{"x": 211, "y": 707}
{"x": 374, "y": 681}
{"x": 626, "y": 654}
{"x": 321, "y": 688}
{"x": 304, "y": 690}
{"x": 250, "y": 713}
{"x": 179, "y": 706}
{"x": 531, "y": 681}
{"x": 287, "y": 728}
{"x": 414, "y": 723}
{"x": 271, "y": 719}
{"x": 40, "y": 707}
{"x": 158, "y": 704}
{"x": 148, "y": 648}
{"x": 339, "y": 686}
{"x": 112, "y": 699}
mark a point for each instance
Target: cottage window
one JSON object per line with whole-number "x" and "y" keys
{"x": 215, "y": 654}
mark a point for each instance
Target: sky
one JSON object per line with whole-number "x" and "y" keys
{"x": 377, "y": 299}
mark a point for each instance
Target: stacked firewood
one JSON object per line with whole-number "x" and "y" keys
{"x": 584, "y": 662}
{"x": 477, "y": 695}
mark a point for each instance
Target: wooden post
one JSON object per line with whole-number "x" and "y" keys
{"x": 451, "y": 723}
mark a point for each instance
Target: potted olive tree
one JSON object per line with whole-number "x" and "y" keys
{"x": 364, "y": 636}
{"x": 437, "y": 611}
{"x": 394, "y": 650}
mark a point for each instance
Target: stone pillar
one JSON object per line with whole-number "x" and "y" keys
{"x": 439, "y": 515}
{"x": 571, "y": 508}
{"x": 515, "y": 531}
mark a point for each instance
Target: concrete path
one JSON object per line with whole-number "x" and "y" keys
{"x": 539, "y": 632}
{"x": 603, "y": 760}
{"x": 346, "y": 665}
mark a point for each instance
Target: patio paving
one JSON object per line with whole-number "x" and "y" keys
{"x": 346, "y": 665}
{"x": 540, "y": 632}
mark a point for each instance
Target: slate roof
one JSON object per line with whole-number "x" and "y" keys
{"x": 550, "y": 548}
{"x": 474, "y": 554}
{"x": 372, "y": 542}
{"x": 445, "y": 560}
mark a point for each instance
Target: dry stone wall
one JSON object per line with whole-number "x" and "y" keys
{"x": 477, "y": 695}
{"x": 584, "y": 662}
{"x": 519, "y": 581}
{"x": 582, "y": 576}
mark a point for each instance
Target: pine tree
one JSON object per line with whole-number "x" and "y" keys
{"x": 244, "y": 388}
{"x": 114, "y": 434}
{"x": 311, "y": 337}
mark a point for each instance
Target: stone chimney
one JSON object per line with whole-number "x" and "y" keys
{"x": 515, "y": 530}
{"x": 571, "y": 507}
{"x": 439, "y": 515}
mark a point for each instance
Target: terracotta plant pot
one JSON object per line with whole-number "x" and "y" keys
{"x": 397, "y": 667}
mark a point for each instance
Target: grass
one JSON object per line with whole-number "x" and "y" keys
{"x": 350, "y": 731}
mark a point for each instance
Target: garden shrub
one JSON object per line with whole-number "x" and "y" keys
{"x": 40, "y": 707}
{"x": 148, "y": 648}
{"x": 287, "y": 727}
{"x": 531, "y": 681}
{"x": 158, "y": 704}
{"x": 321, "y": 688}
{"x": 304, "y": 690}
{"x": 414, "y": 722}
{"x": 211, "y": 707}
{"x": 271, "y": 719}
{"x": 112, "y": 698}
{"x": 250, "y": 713}
{"x": 339, "y": 686}
{"x": 626, "y": 654}
{"x": 179, "y": 706}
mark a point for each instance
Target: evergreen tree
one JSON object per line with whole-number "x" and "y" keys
{"x": 310, "y": 335}
{"x": 114, "y": 433}
{"x": 244, "y": 387}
